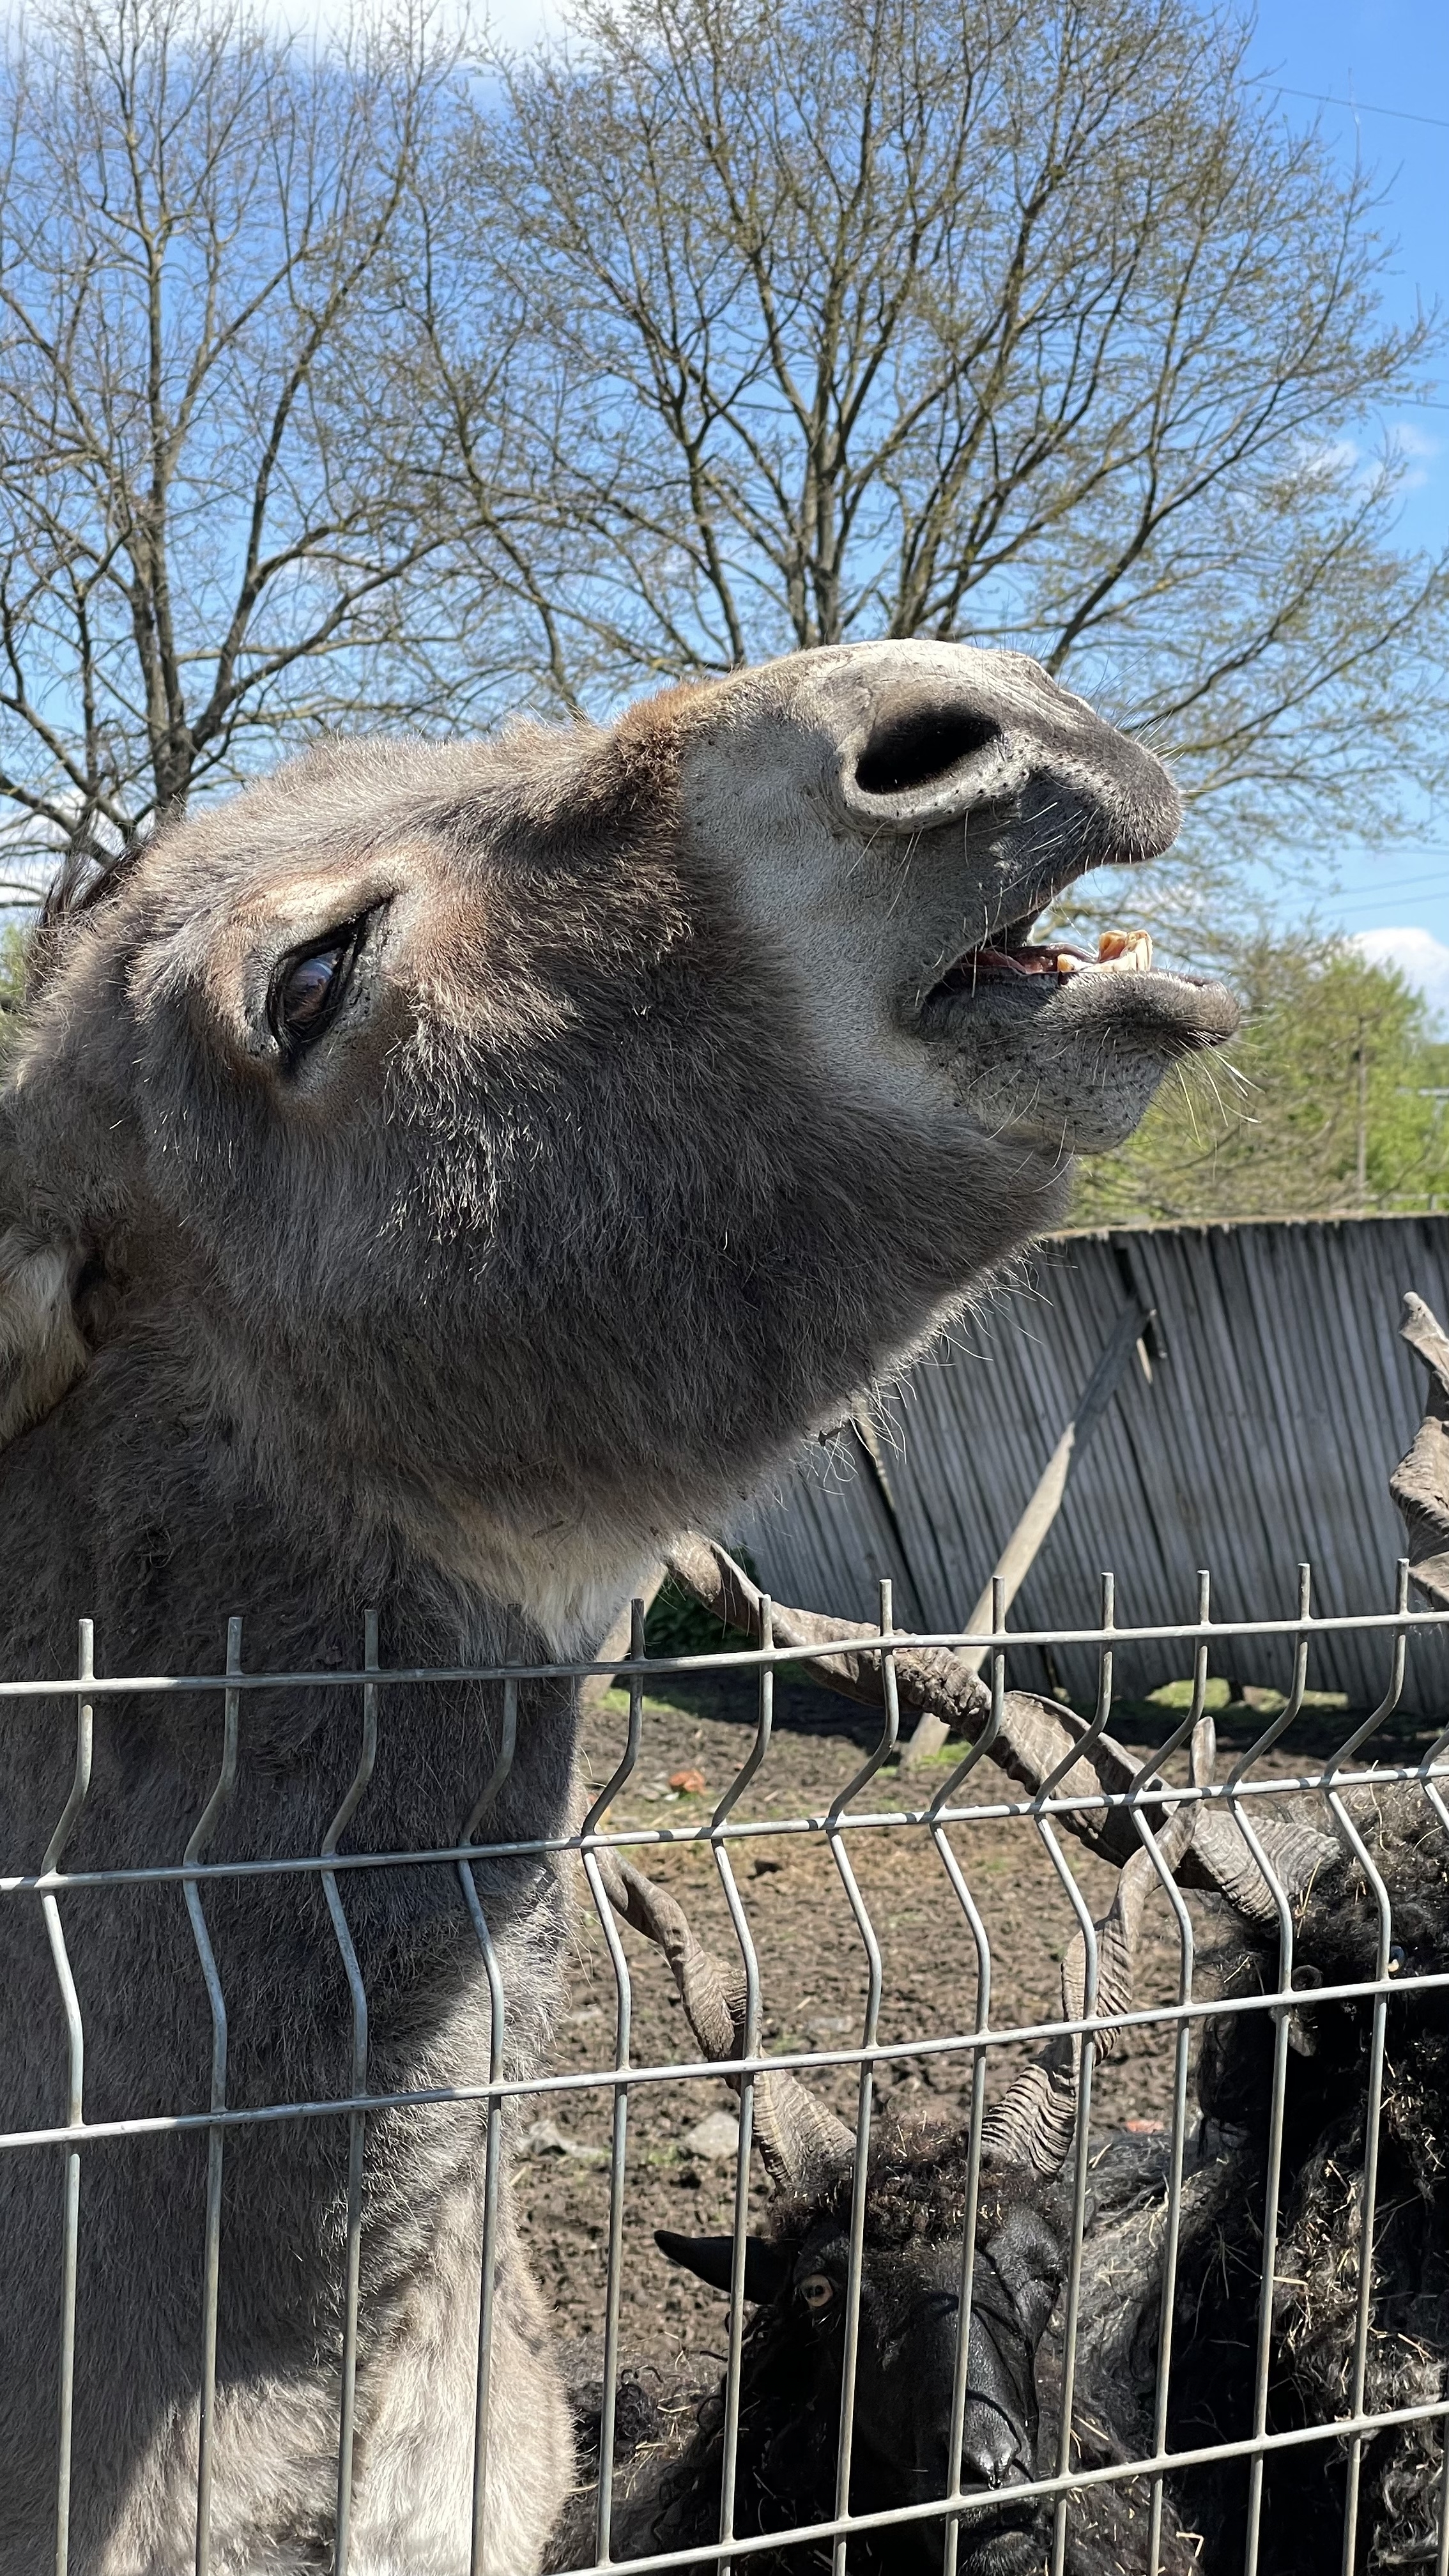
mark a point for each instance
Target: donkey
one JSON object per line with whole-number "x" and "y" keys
{"x": 427, "y": 1182}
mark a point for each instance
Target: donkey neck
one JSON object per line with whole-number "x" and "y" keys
{"x": 144, "y": 1503}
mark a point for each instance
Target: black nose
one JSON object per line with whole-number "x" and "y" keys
{"x": 991, "y": 2453}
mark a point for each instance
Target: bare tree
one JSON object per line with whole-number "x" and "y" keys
{"x": 1025, "y": 319}
{"x": 208, "y": 450}
{"x": 329, "y": 391}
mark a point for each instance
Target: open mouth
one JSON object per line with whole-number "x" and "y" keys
{"x": 991, "y": 994}
{"x": 1014, "y": 953}
{"x": 1057, "y": 1046}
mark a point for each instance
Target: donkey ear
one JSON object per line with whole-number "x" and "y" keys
{"x": 60, "y": 1208}
{"x": 68, "y": 1165}
{"x": 42, "y": 1348}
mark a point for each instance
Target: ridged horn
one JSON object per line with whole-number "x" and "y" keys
{"x": 804, "y": 2145}
{"x": 1223, "y": 1862}
{"x": 1036, "y": 1739}
{"x": 1420, "y": 1482}
{"x": 1033, "y": 2127}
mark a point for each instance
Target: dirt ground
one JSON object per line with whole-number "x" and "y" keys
{"x": 814, "y": 1977}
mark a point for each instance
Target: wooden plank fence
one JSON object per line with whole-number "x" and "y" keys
{"x": 1269, "y": 1400}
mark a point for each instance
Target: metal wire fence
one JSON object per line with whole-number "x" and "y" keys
{"x": 1384, "y": 1766}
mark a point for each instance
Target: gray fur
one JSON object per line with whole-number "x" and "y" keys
{"x": 627, "y": 1160}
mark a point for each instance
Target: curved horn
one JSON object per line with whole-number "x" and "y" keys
{"x": 1222, "y": 1862}
{"x": 1420, "y": 1482}
{"x": 1033, "y": 2127}
{"x": 1036, "y": 1737}
{"x": 804, "y": 2145}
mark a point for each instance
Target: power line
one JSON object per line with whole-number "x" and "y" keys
{"x": 1361, "y": 107}
{"x": 1403, "y": 885}
{"x": 1357, "y": 106}
{"x": 1373, "y": 899}
{"x": 1428, "y": 915}
{"x": 1379, "y": 903}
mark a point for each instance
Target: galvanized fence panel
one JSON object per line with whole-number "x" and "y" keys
{"x": 1268, "y": 1788}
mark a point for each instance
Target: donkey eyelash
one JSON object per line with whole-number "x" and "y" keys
{"x": 299, "y": 1011}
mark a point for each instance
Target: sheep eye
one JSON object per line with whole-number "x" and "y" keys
{"x": 816, "y": 2291}
{"x": 308, "y": 988}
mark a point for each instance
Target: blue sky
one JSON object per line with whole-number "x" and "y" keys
{"x": 1389, "y": 55}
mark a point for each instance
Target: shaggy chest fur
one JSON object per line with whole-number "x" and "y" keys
{"x": 162, "y": 1600}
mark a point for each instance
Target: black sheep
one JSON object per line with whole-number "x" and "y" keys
{"x": 1329, "y": 2075}
{"x": 1365, "y": 1902}
{"x": 922, "y": 2191}
{"x": 915, "y": 2224}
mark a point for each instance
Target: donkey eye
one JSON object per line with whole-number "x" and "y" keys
{"x": 817, "y": 2291}
{"x": 307, "y": 990}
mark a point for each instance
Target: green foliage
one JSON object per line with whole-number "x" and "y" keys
{"x": 680, "y": 1625}
{"x": 12, "y": 979}
{"x": 1323, "y": 1105}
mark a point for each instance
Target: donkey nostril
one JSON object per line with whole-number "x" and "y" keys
{"x": 914, "y": 745}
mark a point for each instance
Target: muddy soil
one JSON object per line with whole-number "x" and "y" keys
{"x": 814, "y": 1978}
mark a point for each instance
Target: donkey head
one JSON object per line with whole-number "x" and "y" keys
{"x": 523, "y": 1143}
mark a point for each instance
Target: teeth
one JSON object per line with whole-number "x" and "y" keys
{"x": 1126, "y": 952}
{"x": 1119, "y": 952}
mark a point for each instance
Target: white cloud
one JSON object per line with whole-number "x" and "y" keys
{"x": 1407, "y": 460}
{"x": 1413, "y": 444}
{"x": 1421, "y": 959}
